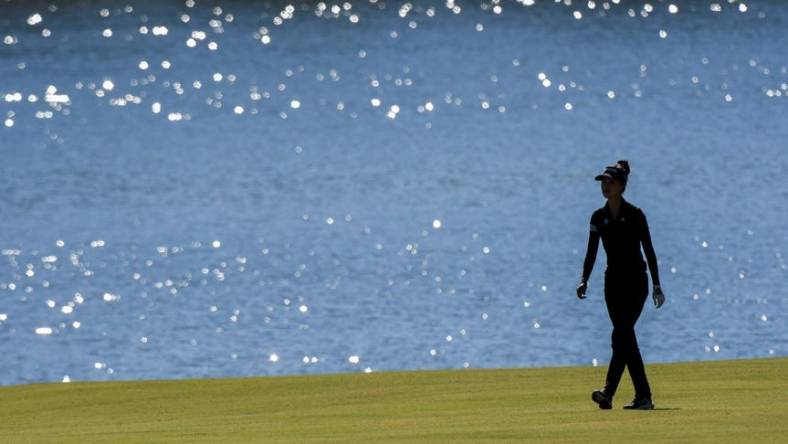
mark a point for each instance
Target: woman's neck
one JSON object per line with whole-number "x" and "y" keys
{"x": 614, "y": 203}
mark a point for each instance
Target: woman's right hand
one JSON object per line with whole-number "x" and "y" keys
{"x": 581, "y": 290}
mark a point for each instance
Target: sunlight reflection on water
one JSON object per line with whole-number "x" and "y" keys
{"x": 280, "y": 189}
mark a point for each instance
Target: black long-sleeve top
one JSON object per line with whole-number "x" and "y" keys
{"x": 621, "y": 239}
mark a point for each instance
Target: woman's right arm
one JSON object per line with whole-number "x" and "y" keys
{"x": 588, "y": 263}
{"x": 593, "y": 245}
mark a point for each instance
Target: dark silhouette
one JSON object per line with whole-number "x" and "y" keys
{"x": 623, "y": 229}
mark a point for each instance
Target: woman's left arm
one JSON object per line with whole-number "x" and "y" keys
{"x": 648, "y": 249}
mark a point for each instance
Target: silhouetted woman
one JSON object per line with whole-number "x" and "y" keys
{"x": 623, "y": 229}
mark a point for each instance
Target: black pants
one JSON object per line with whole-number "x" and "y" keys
{"x": 625, "y": 294}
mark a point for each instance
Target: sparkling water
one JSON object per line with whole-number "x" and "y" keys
{"x": 207, "y": 189}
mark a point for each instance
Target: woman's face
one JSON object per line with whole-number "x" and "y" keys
{"x": 612, "y": 188}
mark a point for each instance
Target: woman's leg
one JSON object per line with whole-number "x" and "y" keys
{"x": 619, "y": 358}
{"x": 634, "y": 360}
{"x": 625, "y": 299}
{"x": 614, "y": 301}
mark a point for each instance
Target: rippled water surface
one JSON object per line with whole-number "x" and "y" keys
{"x": 247, "y": 188}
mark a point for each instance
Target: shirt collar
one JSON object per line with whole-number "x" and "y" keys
{"x": 621, "y": 211}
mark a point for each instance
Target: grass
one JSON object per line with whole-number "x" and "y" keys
{"x": 717, "y": 401}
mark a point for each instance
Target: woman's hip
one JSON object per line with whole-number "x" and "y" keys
{"x": 626, "y": 283}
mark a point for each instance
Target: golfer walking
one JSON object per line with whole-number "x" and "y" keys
{"x": 623, "y": 229}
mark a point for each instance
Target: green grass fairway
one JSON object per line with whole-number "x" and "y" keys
{"x": 718, "y": 401}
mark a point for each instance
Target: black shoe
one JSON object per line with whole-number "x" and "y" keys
{"x": 640, "y": 404}
{"x": 600, "y": 397}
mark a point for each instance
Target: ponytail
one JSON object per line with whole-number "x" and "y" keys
{"x": 624, "y": 166}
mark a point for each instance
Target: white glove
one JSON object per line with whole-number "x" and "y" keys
{"x": 659, "y": 298}
{"x": 581, "y": 290}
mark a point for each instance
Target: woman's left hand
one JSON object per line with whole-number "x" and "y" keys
{"x": 659, "y": 298}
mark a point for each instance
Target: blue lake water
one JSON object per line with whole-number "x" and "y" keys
{"x": 239, "y": 188}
